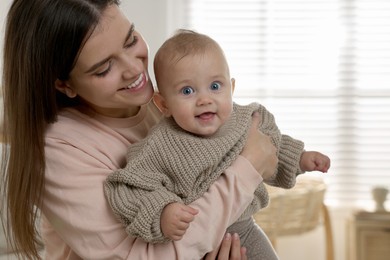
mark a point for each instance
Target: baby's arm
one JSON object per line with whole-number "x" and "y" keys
{"x": 175, "y": 219}
{"x": 288, "y": 150}
{"x": 314, "y": 161}
{"x": 138, "y": 201}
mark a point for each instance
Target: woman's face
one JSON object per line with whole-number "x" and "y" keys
{"x": 111, "y": 73}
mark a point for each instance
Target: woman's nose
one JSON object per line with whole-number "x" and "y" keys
{"x": 132, "y": 67}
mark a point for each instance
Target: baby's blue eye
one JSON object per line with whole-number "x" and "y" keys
{"x": 187, "y": 90}
{"x": 215, "y": 86}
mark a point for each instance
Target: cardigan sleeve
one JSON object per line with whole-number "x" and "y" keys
{"x": 289, "y": 151}
{"x": 138, "y": 193}
{"x": 139, "y": 209}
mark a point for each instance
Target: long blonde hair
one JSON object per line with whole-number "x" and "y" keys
{"x": 42, "y": 41}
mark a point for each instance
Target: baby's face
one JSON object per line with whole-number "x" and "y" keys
{"x": 198, "y": 92}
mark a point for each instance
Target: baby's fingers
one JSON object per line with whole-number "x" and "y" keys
{"x": 324, "y": 167}
{"x": 323, "y": 164}
{"x": 188, "y": 214}
{"x": 190, "y": 210}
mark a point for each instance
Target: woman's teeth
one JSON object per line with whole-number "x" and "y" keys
{"x": 137, "y": 82}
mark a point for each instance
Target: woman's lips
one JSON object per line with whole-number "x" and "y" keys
{"x": 138, "y": 83}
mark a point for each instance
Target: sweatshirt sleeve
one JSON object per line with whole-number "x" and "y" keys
{"x": 289, "y": 151}
{"x": 79, "y": 222}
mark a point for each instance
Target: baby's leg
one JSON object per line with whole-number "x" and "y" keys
{"x": 254, "y": 239}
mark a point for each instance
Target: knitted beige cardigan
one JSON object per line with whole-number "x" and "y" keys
{"x": 172, "y": 165}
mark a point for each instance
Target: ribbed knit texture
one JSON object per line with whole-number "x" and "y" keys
{"x": 172, "y": 165}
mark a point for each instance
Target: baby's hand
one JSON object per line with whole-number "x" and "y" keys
{"x": 175, "y": 219}
{"x": 314, "y": 161}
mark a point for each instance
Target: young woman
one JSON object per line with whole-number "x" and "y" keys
{"x": 76, "y": 95}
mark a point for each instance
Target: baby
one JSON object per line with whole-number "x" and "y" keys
{"x": 202, "y": 133}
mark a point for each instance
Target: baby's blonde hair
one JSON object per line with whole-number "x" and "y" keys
{"x": 181, "y": 44}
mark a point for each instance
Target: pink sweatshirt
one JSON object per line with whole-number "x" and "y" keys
{"x": 77, "y": 223}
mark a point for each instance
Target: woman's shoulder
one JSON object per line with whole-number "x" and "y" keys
{"x": 73, "y": 125}
{"x": 86, "y": 137}
{"x": 70, "y": 121}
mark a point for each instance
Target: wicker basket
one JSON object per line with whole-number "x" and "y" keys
{"x": 292, "y": 211}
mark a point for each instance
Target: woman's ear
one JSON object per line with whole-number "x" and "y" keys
{"x": 65, "y": 88}
{"x": 233, "y": 80}
{"x": 159, "y": 101}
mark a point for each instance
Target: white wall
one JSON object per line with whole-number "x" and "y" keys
{"x": 151, "y": 20}
{"x": 155, "y": 20}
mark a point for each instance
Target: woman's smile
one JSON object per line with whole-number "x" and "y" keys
{"x": 138, "y": 84}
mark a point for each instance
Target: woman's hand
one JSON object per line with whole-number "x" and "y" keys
{"x": 259, "y": 150}
{"x": 230, "y": 249}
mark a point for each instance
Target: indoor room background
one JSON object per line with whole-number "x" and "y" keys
{"x": 322, "y": 67}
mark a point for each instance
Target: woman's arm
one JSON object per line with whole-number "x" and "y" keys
{"x": 220, "y": 207}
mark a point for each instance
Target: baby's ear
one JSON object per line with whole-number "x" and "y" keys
{"x": 159, "y": 101}
{"x": 233, "y": 80}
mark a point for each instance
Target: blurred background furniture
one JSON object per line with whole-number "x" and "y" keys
{"x": 296, "y": 211}
{"x": 369, "y": 236}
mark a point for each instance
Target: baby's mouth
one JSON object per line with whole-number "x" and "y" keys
{"x": 206, "y": 115}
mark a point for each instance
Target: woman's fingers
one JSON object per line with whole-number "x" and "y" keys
{"x": 230, "y": 249}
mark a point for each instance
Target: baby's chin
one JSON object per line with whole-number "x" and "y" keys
{"x": 207, "y": 132}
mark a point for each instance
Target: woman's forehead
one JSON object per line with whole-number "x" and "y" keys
{"x": 107, "y": 37}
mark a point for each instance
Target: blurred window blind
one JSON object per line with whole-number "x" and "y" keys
{"x": 322, "y": 67}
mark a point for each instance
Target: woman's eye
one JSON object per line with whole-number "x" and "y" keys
{"x": 187, "y": 90}
{"x": 215, "y": 86}
{"x": 132, "y": 41}
{"x": 105, "y": 71}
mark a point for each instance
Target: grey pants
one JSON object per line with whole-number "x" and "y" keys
{"x": 258, "y": 246}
